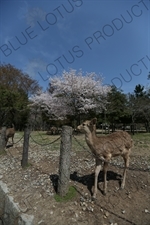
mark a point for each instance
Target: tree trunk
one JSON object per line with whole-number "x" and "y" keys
{"x": 132, "y": 128}
{"x": 24, "y": 161}
{"x": 64, "y": 163}
{"x": 3, "y": 140}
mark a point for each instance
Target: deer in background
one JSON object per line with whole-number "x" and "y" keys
{"x": 10, "y": 132}
{"x": 104, "y": 148}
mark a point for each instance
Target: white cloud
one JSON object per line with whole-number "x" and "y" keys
{"x": 23, "y": 10}
{"x": 34, "y": 66}
{"x": 33, "y": 15}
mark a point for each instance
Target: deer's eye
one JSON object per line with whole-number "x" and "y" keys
{"x": 83, "y": 124}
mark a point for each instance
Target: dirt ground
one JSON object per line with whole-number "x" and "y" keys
{"x": 34, "y": 188}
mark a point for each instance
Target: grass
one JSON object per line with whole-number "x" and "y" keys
{"x": 141, "y": 141}
{"x": 69, "y": 196}
{"x": 27, "y": 166}
{"x": 141, "y": 137}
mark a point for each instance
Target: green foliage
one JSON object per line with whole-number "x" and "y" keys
{"x": 139, "y": 105}
{"x": 139, "y": 91}
{"x": 129, "y": 108}
{"x": 69, "y": 196}
{"x": 117, "y": 106}
{"x": 15, "y": 88}
{"x": 12, "y": 78}
{"x": 13, "y": 106}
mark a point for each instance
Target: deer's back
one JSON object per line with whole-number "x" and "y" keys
{"x": 117, "y": 143}
{"x": 10, "y": 132}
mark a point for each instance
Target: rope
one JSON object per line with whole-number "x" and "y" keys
{"x": 19, "y": 140}
{"x": 44, "y": 144}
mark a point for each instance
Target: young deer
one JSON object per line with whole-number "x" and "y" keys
{"x": 104, "y": 148}
{"x": 10, "y": 132}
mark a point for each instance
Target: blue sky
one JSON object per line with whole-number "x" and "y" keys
{"x": 112, "y": 38}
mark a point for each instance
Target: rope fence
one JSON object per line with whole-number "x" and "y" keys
{"x": 85, "y": 149}
{"x": 52, "y": 142}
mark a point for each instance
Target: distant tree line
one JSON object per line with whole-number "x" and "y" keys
{"x": 129, "y": 108}
{"x": 70, "y": 98}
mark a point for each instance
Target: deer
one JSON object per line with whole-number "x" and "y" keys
{"x": 10, "y": 132}
{"x": 53, "y": 130}
{"x": 104, "y": 148}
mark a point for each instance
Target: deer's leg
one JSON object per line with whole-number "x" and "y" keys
{"x": 6, "y": 140}
{"x": 105, "y": 177}
{"x": 13, "y": 139}
{"x": 97, "y": 170}
{"x": 126, "y": 164}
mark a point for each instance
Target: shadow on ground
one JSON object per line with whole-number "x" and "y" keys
{"x": 87, "y": 180}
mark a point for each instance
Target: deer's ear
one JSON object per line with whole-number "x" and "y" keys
{"x": 94, "y": 121}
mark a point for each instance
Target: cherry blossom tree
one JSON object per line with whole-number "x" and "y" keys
{"x": 73, "y": 94}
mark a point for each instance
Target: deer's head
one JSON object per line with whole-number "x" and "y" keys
{"x": 88, "y": 126}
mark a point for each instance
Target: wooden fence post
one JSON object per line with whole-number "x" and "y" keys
{"x": 24, "y": 161}
{"x": 3, "y": 140}
{"x": 64, "y": 163}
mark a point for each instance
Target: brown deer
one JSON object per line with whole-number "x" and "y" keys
{"x": 104, "y": 148}
{"x": 53, "y": 130}
{"x": 10, "y": 132}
